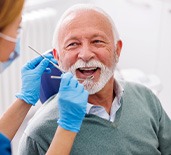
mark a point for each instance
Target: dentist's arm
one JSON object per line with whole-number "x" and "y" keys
{"x": 72, "y": 102}
{"x": 29, "y": 95}
{"x": 62, "y": 142}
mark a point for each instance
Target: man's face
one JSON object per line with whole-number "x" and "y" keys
{"x": 86, "y": 48}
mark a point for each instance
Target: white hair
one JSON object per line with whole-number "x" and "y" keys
{"x": 82, "y": 7}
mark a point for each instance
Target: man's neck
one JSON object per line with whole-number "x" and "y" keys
{"x": 104, "y": 97}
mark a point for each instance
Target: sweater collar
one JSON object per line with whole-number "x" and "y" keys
{"x": 118, "y": 89}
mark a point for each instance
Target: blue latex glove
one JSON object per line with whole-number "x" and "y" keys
{"x": 72, "y": 102}
{"x": 31, "y": 77}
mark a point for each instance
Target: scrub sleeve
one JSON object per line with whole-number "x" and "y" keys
{"x": 5, "y": 145}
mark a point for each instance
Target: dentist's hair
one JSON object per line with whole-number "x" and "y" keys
{"x": 9, "y": 11}
{"x": 83, "y": 7}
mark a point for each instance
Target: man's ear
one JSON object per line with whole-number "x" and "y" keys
{"x": 55, "y": 54}
{"x": 118, "y": 48}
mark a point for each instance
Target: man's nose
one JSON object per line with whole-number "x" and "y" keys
{"x": 86, "y": 53}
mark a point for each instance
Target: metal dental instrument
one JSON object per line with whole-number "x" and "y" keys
{"x": 55, "y": 65}
{"x": 59, "y": 77}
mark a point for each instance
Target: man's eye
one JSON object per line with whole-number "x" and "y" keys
{"x": 97, "y": 41}
{"x": 72, "y": 44}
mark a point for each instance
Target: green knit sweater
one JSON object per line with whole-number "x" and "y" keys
{"x": 141, "y": 127}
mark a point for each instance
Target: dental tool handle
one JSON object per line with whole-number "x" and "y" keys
{"x": 55, "y": 65}
{"x": 80, "y": 79}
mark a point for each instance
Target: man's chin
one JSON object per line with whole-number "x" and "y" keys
{"x": 94, "y": 88}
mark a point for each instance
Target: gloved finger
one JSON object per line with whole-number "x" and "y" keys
{"x": 54, "y": 61}
{"x": 33, "y": 63}
{"x": 66, "y": 77}
{"x": 48, "y": 55}
{"x": 47, "y": 70}
{"x": 80, "y": 88}
{"x": 73, "y": 82}
{"x": 51, "y": 58}
{"x": 42, "y": 66}
{"x": 85, "y": 94}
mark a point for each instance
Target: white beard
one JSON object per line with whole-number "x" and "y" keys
{"x": 89, "y": 85}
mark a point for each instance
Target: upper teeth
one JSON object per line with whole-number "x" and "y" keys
{"x": 88, "y": 68}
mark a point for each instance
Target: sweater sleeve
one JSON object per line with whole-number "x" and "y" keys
{"x": 164, "y": 126}
{"x": 5, "y": 145}
{"x": 28, "y": 146}
{"x": 162, "y": 123}
{"x": 164, "y": 134}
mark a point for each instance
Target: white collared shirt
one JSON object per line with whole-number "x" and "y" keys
{"x": 100, "y": 110}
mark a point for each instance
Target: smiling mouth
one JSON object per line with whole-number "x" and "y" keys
{"x": 87, "y": 71}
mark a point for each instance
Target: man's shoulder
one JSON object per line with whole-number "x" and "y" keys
{"x": 141, "y": 95}
{"x": 137, "y": 87}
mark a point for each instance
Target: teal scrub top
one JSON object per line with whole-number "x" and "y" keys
{"x": 5, "y": 145}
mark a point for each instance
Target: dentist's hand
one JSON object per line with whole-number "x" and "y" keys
{"x": 72, "y": 102}
{"x": 31, "y": 78}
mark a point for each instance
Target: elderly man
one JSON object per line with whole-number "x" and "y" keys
{"x": 121, "y": 118}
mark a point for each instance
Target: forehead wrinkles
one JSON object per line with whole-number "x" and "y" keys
{"x": 85, "y": 35}
{"x": 85, "y": 18}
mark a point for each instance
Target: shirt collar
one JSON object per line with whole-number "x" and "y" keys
{"x": 119, "y": 90}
